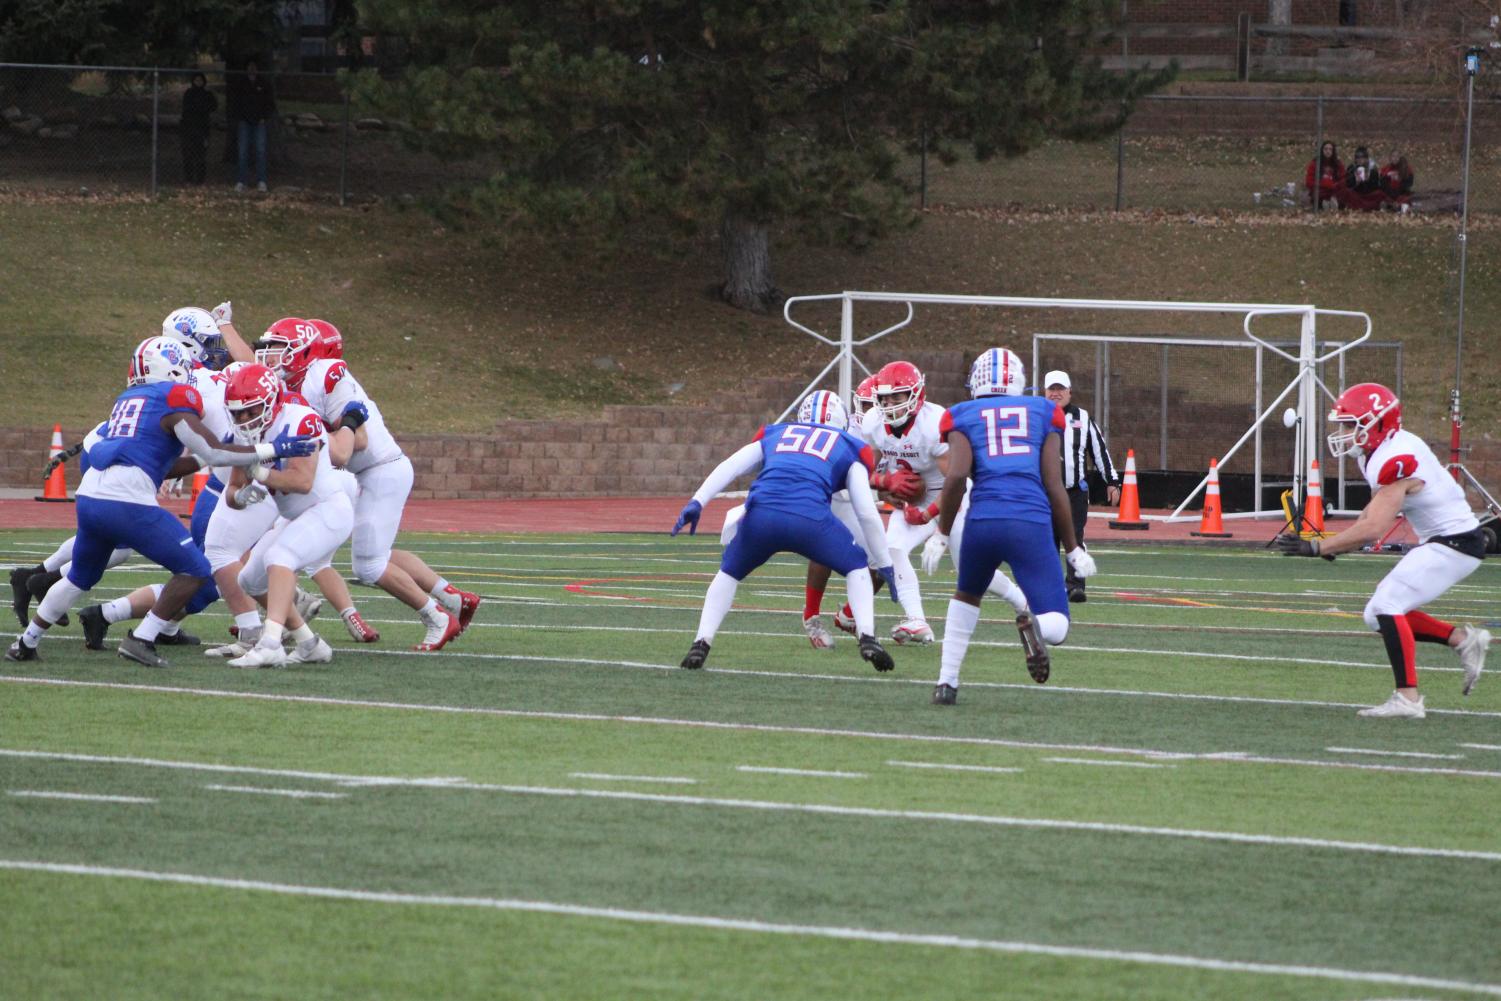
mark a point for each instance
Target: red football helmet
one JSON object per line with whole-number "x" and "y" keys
{"x": 286, "y": 348}
{"x": 1367, "y": 414}
{"x": 330, "y": 342}
{"x": 864, "y": 396}
{"x": 900, "y": 379}
{"x": 253, "y": 399}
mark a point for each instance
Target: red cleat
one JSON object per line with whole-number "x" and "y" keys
{"x": 439, "y": 634}
{"x": 359, "y": 631}
{"x": 469, "y": 604}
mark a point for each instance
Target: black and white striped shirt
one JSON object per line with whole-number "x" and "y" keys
{"x": 1082, "y": 440}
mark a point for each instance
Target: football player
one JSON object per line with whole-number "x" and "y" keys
{"x": 151, "y": 422}
{"x": 799, "y": 467}
{"x": 290, "y": 347}
{"x": 1406, "y": 479}
{"x": 1009, "y": 444}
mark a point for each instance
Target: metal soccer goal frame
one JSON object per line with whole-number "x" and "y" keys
{"x": 1309, "y": 390}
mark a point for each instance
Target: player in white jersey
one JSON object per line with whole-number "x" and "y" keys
{"x": 1406, "y": 478}
{"x": 361, "y": 442}
{"x": 315, "y": 504}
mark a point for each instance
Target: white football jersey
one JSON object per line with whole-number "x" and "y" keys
{"x": 1439, "y": 506}
{"x": 329, "y": 387}
{"x": 216, "y": 417}
{"x": 296, "y": 419}
{"x": 918, "y": 449}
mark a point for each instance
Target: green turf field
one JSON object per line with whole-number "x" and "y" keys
{"x": 1189, "y": 809}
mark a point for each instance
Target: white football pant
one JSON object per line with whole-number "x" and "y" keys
{"x": 307, "y": 540}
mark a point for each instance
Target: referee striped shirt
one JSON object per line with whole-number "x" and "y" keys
{"x": 1082, "y": 442}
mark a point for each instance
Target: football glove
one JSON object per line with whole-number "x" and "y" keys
{"x": 1082, "y": 562}
{"x": 932, "y": 552}
{"x": 288, "y": 446}
{"x": 920, "y": 515}
{"x": 251, "y": 494}
{"x": 689, "y": 516}
{"x": 223, "y": 313}
{"x": 354, "y": 415}
{"x": 902, "y": 484}
{"x": 60, "y": 458}
{"x": 888, "y": 574}
{"x": 1289, "y": 544}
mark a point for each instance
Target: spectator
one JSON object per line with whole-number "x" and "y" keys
{"x": 254, "y": 105}
{"x": 1362, "y": 188}
{"x": 1396, "y": 181}
{"x": 1082, "y": 442}
{"x": 198, "y": 106}
{"x": 1325, "y": 175}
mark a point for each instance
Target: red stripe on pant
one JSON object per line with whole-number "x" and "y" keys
{"x": 1426, "y": 629}
{"x": 1397, "y": 635}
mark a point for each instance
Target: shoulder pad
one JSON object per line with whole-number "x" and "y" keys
{"x": 184, "y": 397}
{"x": 1398, "y": 467}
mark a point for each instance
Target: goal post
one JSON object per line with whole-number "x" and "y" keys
{"x": 1306, "y": 390}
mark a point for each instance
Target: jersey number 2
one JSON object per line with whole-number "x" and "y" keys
{"x": 124, "y": 418}
{"x": 809, "y": 441}
{"x": 1006, "y": 431}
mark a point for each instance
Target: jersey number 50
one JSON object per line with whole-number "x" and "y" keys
{"x": 1006, "y": 431}
{"x": 809, "y": 441}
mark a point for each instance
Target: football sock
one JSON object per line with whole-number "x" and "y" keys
{"x": 303, "y": 633}
{"x": 812, "y": 601}
{"x": 63, "y": 555}
{"x": 958, "y": 627}
{"x": 58, "y": 599}
{"x": 1397, "y": 635}
{"x": 907, "y": 591}
{"x": 717, "y": 602}
{"x": 248, "y": 620}
{"x": 1002, "y": 587}
{"x": 350, "y": 611}
{"x": 271, "y": 634}
{"x": 440, "y": 587}
{"x": 150, "y": 628}
{"x": 861, "y": 594}
{"x": 1053, "y": 627}
{"x": 33, "y": 634}
{"x": 1426, "y": 629}
{"x": 448, "y": 596}
{"x": 429, "y": 612}
{"x": 117, "y": 610}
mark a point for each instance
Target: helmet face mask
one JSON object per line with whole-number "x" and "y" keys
{"x": 997, "y": 372}
{"x": 900, "y": 392}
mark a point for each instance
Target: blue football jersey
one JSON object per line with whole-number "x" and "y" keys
{"x": 803, "y": 466}
{"x": 1006, "y": 434}
{"x": 133, "y": 435}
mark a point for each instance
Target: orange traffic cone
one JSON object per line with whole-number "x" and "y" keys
{"x": 1313, "y": 508}
{"x": 56, "y": 488}
{"x": 1212, "y": 522}
{"x": 1129, "y": 516}
{"x": 200, "y": 480}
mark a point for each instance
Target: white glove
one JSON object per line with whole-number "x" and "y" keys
{"x": 223, "y": 313}
{"x": 932, "y": 552}
{"x": 1082, "y": 562}
{"x": 251, "y": 494}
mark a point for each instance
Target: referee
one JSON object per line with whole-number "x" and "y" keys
{"x": 1082, "y": 442}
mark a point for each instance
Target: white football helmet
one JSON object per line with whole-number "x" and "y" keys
{"x": 823, "y": 407}
{"x": 159, "y": 359}
{"x": 997, "y": 372}
{"x": 199, "y": 334}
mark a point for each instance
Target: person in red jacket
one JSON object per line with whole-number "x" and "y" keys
{"x": 1362, "y": 188}
{"x": 1325, "y": 175}
{"x": 1396, "y": 181}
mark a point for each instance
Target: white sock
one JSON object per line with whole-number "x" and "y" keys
{"x": 350, "y": 611}
{"x": 172, "y": 628}
{"x": 150, "y": 628}
{"x": 32, "y": 637}
{"x": 271, "y": 634}
{"x": 449, "y": 599}
{"x": 429, "y": 612}
{"x": 717, "y": 602}
{"x": 1002, "y": 587}
{"x": 63, "y": 555}
{"x": 248, "y": 620}
{"x": 58, "y": 599}
{"x": 957, "y": 629}
{"x": 117, "y": 610}
{"x": 907, "y": 591}
{"x": 1053, "y": 627}
{"x": 439, "y": 588}
{"x": 860, "y": 591}
{"x": 302, "y": 633}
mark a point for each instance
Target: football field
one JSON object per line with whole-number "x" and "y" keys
{"x": 550, "y": 807}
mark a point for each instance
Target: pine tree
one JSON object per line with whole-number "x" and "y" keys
{"x": 736, "y": 115}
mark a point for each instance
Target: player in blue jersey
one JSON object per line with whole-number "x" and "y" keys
{"x": 151, "y": 422}
{"x": 799, "y": 467}
{"x": 1009, "y": 445}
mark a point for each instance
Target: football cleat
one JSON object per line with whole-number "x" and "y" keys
{"x": 873, "y": 652}
{"x": 844, "y": 622}
{"x": 945, "y": 695}
{"x": 178, "y": 638}
{"x": 228, "y": 650}
{"x": 914, "y": 631}
{"x": 697, "y": 654}
{"x": 1038, "y": 662}
{"x": 1077, "y": 596}
{"x": 439, "y": 632}
{"x": 20, "y": 594}
{"x": 313, "y": 651}
{"x": 261, "y": 656}
{"x": 307, "y": 605}
{"x": 39, "y": 583}
{"x": 95, "y": 628}
{"x": 820, "y": 637}
{"x": 141, "y": 651}
{"x": 1398, "y": 706}
{"x": 20, "y": 651}
{"x": 468, "y": 605}
{"x": 1471, "y": 652}
{"x": 358, "y": 630}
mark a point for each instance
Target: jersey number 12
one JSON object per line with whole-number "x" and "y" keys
{"x": 1006, "y": 431}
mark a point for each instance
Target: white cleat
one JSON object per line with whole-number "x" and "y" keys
{"x": 820, "y": 637}
{"x": 1398, "y": 706}
{"x": 1471, "y": 652}
{"x": 227, "y": 650}
{"x": 914, "y": 631}
{"x": 261, "y": 656}
{"x": 844, "y": 623}
{"x": 308, "y": 605}
{"x": 313, "y": 651}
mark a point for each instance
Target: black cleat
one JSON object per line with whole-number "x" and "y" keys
{"x": 945, "y": 695}
{"x": 871, "y": 650}
{"x": 1077, "y": 596}
{"x": 697, "y": 654}
{"x": 141, "y": 651}
{"x": 1038, "y": 662}
{"x": 20, "y": 594}
{"x": 20, "y": 651}
{"x": 95, "y": 628}
{"x": 40, "y": 582}
{"x": 178, "y": 638}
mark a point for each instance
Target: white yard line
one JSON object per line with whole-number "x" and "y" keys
{"x": 289, "y": 793}
{"x": 605, "y": 777}
{"x": 811, "y": 772}
{"x": 1394, "y": 754}
{"x": 765, "y": 927}
{"x": 1102, "y": 761}
{"x": 992, "y": 769}
{"x": 79, "y": 796}
{"x": 1483, "y": 747}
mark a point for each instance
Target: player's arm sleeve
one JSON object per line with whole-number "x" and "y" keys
{"x": 199, "y": 440}
{"x": 742, "y": 463}
{"x": 864, "y": 504}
